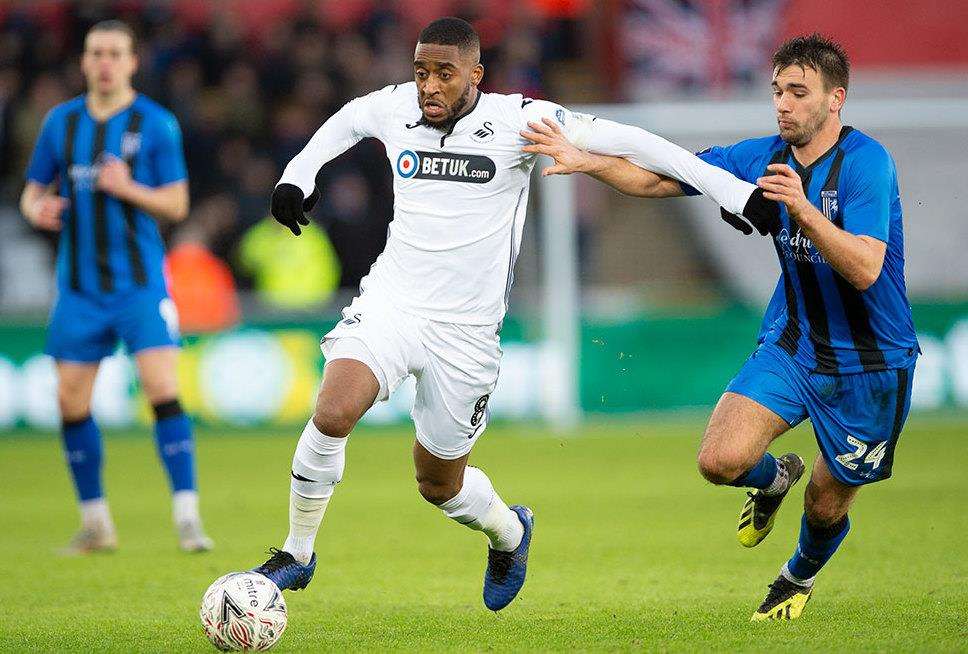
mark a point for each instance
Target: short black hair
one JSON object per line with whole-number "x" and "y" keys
{"x": 818, "y": 52}
{"x": 115, "y": 26}
{"x": 451, "y": 31}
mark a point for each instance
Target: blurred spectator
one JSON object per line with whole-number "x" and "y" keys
{"x": 47, "y": 91}
{"x": 290, "y": 273}
{"x": 201, "y": 284}
{"x": 184, "y": 85}
{"x": 241, "y": 94}
{"x": 9, "y": 86}
{"x": 260, "y": 173}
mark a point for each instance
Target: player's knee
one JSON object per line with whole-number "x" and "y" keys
{"x": 159, "y": 388}
{"x": 436, "y": 491}
{"x": 719, "y": 466}
{"x": 73, "y": 403}
{"x": 333, "y": 419}
{"x": 159, "y": 392}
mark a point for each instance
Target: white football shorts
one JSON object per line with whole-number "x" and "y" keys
{"x": 455, "y": 366}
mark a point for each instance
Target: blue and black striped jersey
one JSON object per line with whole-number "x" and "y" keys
{"x": 106, "y": 245}
{"x": 815, "y": 314}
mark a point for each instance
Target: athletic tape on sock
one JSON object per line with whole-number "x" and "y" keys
{"x": 318, "y": 463}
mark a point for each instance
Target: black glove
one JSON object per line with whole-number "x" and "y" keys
{"x": 761, "y": 213}
{"x": 289, "y": 207}
{"x": 736, "y": 221}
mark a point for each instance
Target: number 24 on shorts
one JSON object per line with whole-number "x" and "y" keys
{"x": 873, "y": 457}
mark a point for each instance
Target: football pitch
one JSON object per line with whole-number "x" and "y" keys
{"x": 632, "y": 550}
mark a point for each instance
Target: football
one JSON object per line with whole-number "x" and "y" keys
{"x": 243, "y": 611}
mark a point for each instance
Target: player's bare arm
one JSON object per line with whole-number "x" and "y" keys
{"x": 168, "y": 202}
{"x": 547, "y": 139}
{"x": 858, "y": 258}
{"x": 42, "y": 207}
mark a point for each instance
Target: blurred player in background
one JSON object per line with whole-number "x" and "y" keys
{"x": 837, "y": 343}
{"x": 116, "y": 157}
{"x": 433, "y": 303}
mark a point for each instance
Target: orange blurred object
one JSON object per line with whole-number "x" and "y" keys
{"x": 203, "y": 289}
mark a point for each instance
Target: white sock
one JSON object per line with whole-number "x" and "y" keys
{"x": 95, "y": 514}
{"x": 789, "y": 576}
{"x": 317, "y": 467}
{"x": 479, "y": 507}
{"x": 184, "y": 507}
{"x": 780, "y": 483}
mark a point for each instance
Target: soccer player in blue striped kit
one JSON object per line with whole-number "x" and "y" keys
{"x": 106, "y": 165}
{"x": 837, "y": 344}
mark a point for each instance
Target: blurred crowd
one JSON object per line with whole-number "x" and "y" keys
{"x": 250, "y": 81}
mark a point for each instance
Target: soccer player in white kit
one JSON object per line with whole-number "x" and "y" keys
{"x": 433, "y": 302}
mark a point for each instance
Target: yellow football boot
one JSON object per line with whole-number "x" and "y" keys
{"x": 785, "y": 601}
{"x": 759, "y": 512}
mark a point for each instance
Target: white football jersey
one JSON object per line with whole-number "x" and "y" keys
{"x": 459, "y": 197}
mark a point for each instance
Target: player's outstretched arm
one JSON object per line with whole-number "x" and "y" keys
{"x": 667, "y": 160}
{"x": 655, "y": 153}
{"x": 547, "y": 138}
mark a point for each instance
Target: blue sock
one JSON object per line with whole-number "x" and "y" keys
{"x": 759, "y": 476}
{"x": 816, "y": 546}
{"x": 176, "y": 445}
{"x": 84, "y": 451}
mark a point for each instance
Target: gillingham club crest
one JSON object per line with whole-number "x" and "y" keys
{"x": 407, "y": 164}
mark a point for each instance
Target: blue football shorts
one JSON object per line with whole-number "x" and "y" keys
{"x": 87, "y": 328}
{"x": 857, "y": 418}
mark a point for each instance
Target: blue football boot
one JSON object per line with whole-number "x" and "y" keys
{"x": 505, "y": 570}
{"x": 285, "y": 571}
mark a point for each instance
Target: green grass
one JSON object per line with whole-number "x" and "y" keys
{"x": 632, "y": 550}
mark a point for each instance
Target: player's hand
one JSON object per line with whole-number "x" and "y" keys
{"x": 46, "y": 212}
{"x": 785, "y": 186}
{"x": 547, "y": 139}
{"x": 289, "y": 207}
{"x": 114, "y": 177}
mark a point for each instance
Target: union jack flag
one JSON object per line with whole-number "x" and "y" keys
{"x": 697, "y": 46}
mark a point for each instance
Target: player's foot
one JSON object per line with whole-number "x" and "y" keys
{"x": 505, "y": 570}
{"x": 759, "y": 512}
{"x": 192, "y": 538}
{"x": 90, "y": 539}
{"x": 285, "y": 571}
{"x": 785, "y": 601}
